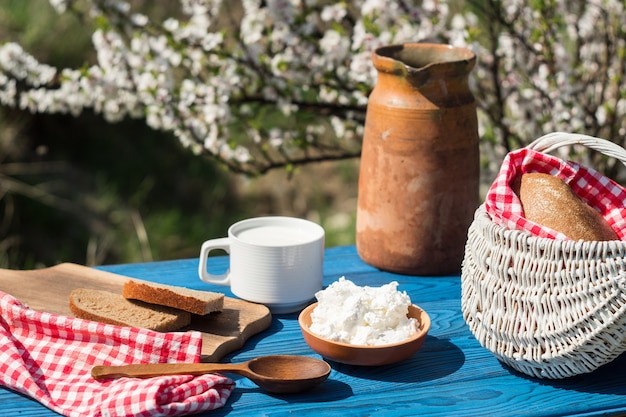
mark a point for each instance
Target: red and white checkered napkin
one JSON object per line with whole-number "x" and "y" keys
{"x": 49, "y": 358}
{"x": 597, "y": 190}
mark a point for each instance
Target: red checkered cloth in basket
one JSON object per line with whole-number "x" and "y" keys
{"x": 49, "y": 358}
{"x": 597, "y": 190}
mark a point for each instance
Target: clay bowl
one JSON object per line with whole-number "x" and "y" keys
{"x": 365, "y": 355}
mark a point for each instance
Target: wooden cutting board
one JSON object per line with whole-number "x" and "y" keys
{"x": 49, "y": 289}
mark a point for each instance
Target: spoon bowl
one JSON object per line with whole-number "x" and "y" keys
{"x": 285, "y": 373}
{"x": 279, "y": 374}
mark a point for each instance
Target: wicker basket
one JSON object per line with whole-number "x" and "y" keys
{"x": 547, "y": 308}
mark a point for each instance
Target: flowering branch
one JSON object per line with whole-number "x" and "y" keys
{"x": 262, "y": 84}
{"x": 283, "y": 83}
{"x": 551, "y": 66}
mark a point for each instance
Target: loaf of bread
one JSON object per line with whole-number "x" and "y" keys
{"x": 549, "y": 201}
{"x": 193, "y": 301}
{"x": 112, "y": 308}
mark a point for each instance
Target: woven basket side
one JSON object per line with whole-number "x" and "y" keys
{"x": 547, "y": 307}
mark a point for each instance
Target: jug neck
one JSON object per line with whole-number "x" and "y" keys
{"x": 436, "y": 71}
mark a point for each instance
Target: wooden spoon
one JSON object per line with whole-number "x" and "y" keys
{"x": 275, "y": 373}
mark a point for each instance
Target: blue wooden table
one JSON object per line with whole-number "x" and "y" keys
{"x": 452, "y": 375}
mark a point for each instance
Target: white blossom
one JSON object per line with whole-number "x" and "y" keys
{"x": 60, "y": 5}
{"x": 8, "y": 91}
{"x": 23, "y": 66}
{"x": 333, "y": 12}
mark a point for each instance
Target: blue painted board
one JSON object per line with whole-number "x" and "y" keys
{"x": 452, "y": 375}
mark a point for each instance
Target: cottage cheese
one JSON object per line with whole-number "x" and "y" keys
{"x": 365, "y": 315}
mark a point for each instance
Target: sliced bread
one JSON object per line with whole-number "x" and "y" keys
{"x": 112, "y": 308}
{"x": 193, "y": 301}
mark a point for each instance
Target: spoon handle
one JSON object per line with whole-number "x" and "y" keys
{"x": 161, "y": 369}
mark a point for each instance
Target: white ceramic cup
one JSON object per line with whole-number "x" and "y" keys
{"x": 276, "y": 261}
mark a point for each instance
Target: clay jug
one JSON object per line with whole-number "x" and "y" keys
{"x": 419, "y": 172}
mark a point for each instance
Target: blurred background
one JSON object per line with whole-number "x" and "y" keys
{"x": 80, "y": 189}
{"x": 85, "y": 191}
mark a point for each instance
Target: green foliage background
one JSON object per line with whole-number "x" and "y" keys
{"x": 82, "y": 190}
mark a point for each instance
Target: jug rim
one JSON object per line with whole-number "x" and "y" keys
{"x": 416, "y": 57}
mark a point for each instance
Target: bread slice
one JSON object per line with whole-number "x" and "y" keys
{"x": 112, "y": 308}
{"x": 193, "y": 301}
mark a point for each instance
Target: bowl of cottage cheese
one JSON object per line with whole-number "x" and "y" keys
{"x": 363, "y": 325}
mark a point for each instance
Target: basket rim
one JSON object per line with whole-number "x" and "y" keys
{"x": 482, "y": 216}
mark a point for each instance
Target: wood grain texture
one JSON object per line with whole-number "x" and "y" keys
{"x": 48, "y": 290}
{"x": 452, "y": 375}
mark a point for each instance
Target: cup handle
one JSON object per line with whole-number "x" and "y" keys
{"x": 207, "y": 247}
